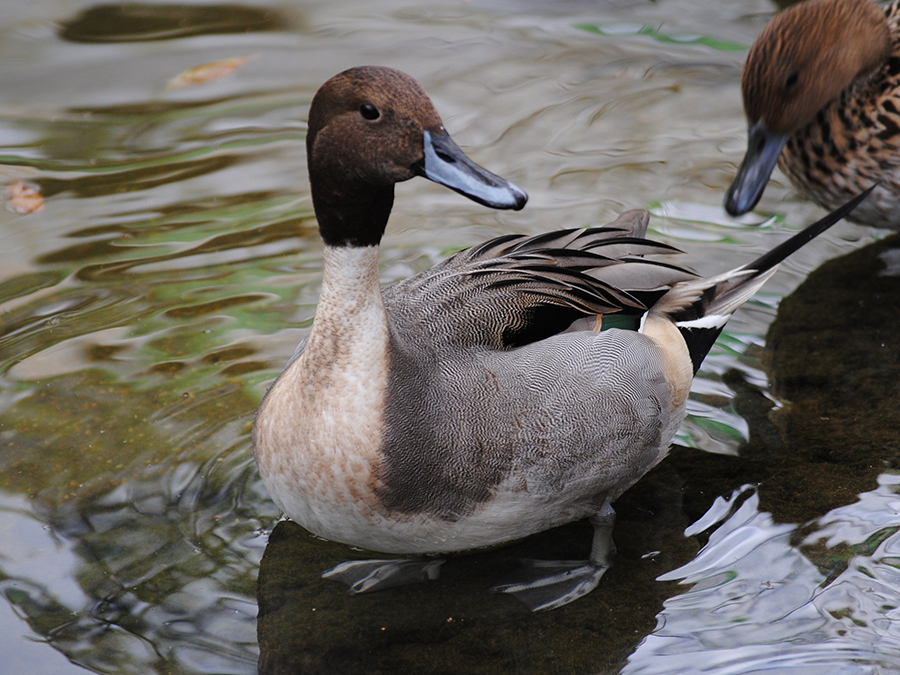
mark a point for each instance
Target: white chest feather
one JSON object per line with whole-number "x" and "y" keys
{"x": 319, "y": 428}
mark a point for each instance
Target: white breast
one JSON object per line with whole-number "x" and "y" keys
{"x": 319, "y": 428}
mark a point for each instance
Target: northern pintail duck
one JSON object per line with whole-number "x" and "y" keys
{"x": 487, "y": 398}
{"x": 821, "y": 89}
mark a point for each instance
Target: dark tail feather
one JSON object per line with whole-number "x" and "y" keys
{"x": 701, "y": 308}
{"x": 786, "y": 248}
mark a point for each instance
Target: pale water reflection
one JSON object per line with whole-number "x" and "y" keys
{"x": 759, "y": 604}
{"x": 175, "y": 265}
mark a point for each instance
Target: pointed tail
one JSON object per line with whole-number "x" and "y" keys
{"x": 700, "y": 309}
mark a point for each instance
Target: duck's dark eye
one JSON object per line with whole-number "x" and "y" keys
{"x": 369, "y": 111}
{"x": 792, "y": 80}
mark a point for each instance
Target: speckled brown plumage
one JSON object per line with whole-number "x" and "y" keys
{"x": 825, "y": 74}
{"x": 853, "y": 142}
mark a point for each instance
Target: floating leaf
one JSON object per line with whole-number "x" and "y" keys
{"x": 208, "y": 71}
{"x": 637, "y": 29}
{"x": 24, "y": 198}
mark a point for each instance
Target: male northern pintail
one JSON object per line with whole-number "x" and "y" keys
{"x": 822, "y": 81}
{"x": 487, "y": 398}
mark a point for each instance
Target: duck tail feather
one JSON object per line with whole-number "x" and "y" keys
{"x": 786, "y": 248}
{"x": 701, "y": 308}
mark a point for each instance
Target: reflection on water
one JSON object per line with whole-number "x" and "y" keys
{"x": 175, "y": 265}
{"x": 759, "y": 604}
{"x": 152, "y": 529}
{"x": 455, "y": 625}
{"x": 134, "y": 22}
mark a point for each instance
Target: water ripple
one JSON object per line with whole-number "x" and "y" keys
{"x": 759, "y": 604}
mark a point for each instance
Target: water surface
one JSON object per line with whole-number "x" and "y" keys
{"x": 176, "y": 264}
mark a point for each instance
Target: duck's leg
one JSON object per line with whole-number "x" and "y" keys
{"x": 548, "y": 584}
{"x": 364, "y": 576}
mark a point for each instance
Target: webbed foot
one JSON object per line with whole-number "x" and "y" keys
{"x": 365, "y": 576}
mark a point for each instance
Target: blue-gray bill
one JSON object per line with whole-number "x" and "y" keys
{"x": 446, "y": 164}
{"x": 763, "y": 149}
